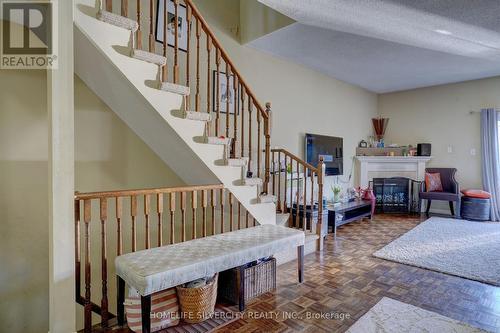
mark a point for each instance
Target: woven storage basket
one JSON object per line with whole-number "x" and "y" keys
{"x": 259, "y": 279}
{"x": 198, "y": 304}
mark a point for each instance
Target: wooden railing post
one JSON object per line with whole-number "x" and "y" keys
{"x": 319, "y": 227}
{"x": 267, "y": 153}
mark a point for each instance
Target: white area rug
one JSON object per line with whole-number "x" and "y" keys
{"x": 458, "y": 247}
{"x": 391, "y": 316}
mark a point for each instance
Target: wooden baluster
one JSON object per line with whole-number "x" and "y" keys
{"x": 222, "y": 199}
{"x": 188, "y": 54}
{"x": 109, "y": 5}
{"x": 267, "y": 149}
{"x": 274, "y": 176}
{"x": 176, "y": 44}
{"x": 246, "y": 219}
{"x": 151, "y": 26}
{"x": 304, "y": 201}
{"x": 213, "y": 202}
{"x": 285, "y": 201}
{"x": 278, "y": 207}
{"x": 313, "y": 225}
{"x": 239, "y": 215}
{"x": 297, "y": 191}
{"x": 124, "y": 8}
{"x": 217, "y": 91}
{"x": 197, "y": 95}
{"x": 230, "y": 211}
{"x": 319, "y": 226}
{"x": 165, "y": 40}
{"x": 119, "y": 237}
{"x": 228, "y": 75}
{"x": 183, "y": 216}
{"x": 104, "y": 262}
{"x": 172, "y": 217}
{"x": 133, "y": 214}
{"x": 204, "y": 204}
{"x": 147, "y": 209}
{"x": 209, "y": 93}
{"x": 259, "y": 153}
{"x": 78, "y": 259}
{"x": 242, "y": 122}
{"x": 159, "y": 210}
{"x": 194, "y": 205}
{"x": 139, "y": 32}
{"x": 291, "y": 189}
{"x": 87, "y": 302}
{"x": 235, "y": 118}
{"x": 249, "y": 133}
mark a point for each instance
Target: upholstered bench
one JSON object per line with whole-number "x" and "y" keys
{"x": 154, "y": 270}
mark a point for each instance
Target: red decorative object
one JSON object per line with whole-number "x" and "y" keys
{"x": 433, "y": 182}
{"x": 380, "y": 125}
{"x": 480, "y": 194}
{"x": 369, "y": 195}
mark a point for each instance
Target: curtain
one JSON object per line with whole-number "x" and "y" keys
{"x": 491, "y": 159}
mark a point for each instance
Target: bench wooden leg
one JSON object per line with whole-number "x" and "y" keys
{"x": 300, "y": 262}
{"x": 241, "y": 288}
{"x": 119, "y": 301}
{"x": 146, "y": 313}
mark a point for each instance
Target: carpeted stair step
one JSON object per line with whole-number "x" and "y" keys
{"x": 175, "y": 88}
{"x": 253, "y": 182}
{"x": 149, "y": 57}
{"x": 117, "y": 20}
{"x": 267, "y": 198}
{"x": 214, "y": 140}
{"x": 201, "y": 116}
{"x": 237, "y": 162}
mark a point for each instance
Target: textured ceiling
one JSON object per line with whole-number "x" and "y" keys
{"x": 390, "y": 45}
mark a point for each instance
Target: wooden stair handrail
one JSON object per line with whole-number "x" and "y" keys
{"x": 225, "y": 56}
{"x": 294, "y": 157}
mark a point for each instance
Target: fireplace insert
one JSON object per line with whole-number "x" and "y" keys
{"x": 395, "y": 195}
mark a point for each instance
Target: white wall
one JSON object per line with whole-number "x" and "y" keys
{"x": 441, "y": 116}
{"x": 303, "y": 100}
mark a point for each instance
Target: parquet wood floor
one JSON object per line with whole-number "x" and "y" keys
{"x": 346, "y": 280}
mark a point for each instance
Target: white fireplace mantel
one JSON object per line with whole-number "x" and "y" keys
{"x": 370, "y": 167}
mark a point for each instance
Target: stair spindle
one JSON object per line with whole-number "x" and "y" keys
{"x": 87, "y": 302}
{"x": 183, "y": 216}
{"x": 188, "y": 54}
{"x": 147, "y": 208}
{"x": 258, "y": 143}
{"x": 222, "y": 200}
{"x": 119, "y": 237}
{"x": 285, "y": 193}
{"x": 209, "y": 61}
{"x": 235, "y": 117}
{"x": 246, "y": 219}
{"x": 164, "y": 76}
{"x": 304, "y": 199}
{"x": 217, "y": 91}
{"x": 139, "y": 32}
{"x": 242, "y": 121}
{"x": 133, "y": 214}
{"x": 250, "y": 133}
{"x": 176, "y": 43}
{"x": 213, "y": 203}
{"x": 204, "y": 203}
{"x": 151, "y": 26}
{"x": 194, "y": 205}
{"x": 124, "y": 8}
{"x": 197, "y": 95}
{"x": 78, "y": 258}
{"x": 159, "y": 210}
{"x": 109, "y": 5}
{"x": 297, "y": 195}
{"x": 279, "y": 207}
{"x": 239, "y": 215}
{"x": 104, "y": 262}
{"x": 172, "y": 217}
{"x": 230, "y": 198}
{"x": 228, "y": 100}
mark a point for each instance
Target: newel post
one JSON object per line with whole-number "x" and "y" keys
{"x": 267, "y": 133}
{"x": 319, "y": 227}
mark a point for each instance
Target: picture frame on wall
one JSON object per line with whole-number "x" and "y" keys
{"x": 223, "y": 92}
{"x": 182, "y": 30}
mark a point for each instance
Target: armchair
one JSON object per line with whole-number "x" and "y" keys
{"x": 451, "y": 190}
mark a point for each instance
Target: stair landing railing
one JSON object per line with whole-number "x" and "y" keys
{"x": 112, "y": 223}
{"x": 298, "y": 187}
{"x": 216, "y": 85}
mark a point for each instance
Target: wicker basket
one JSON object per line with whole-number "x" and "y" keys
{"x": 198, "y": 304}
{"x": 259, "y": 279}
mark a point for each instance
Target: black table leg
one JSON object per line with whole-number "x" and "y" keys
{"x": 119, "y": 301}
{"x": 146, "y": 313}
{"x": 300, "y": 262}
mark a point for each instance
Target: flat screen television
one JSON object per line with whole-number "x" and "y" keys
{"x": 332, "y": 150}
